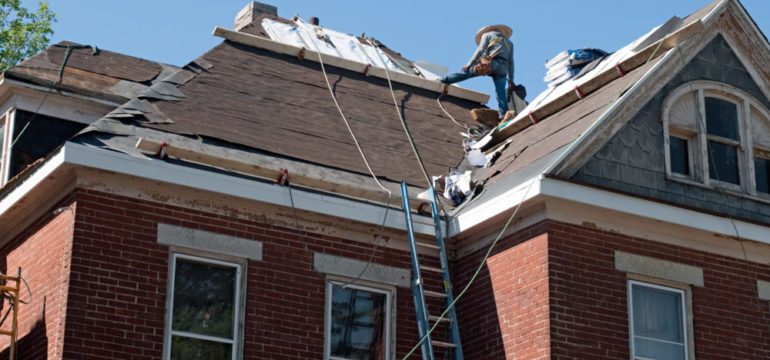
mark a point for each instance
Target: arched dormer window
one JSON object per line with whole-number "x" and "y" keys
{"x": 717, "y": 136}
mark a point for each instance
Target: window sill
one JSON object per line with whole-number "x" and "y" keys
{"x": 760, "y": 198}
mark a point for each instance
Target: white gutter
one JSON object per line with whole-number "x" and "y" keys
{"x": 82, "y": 155}
{"x": 30, "y": 183}
{"x": 544, "y": 188}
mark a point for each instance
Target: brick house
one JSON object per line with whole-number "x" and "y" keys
{"x": 140, "y": 200}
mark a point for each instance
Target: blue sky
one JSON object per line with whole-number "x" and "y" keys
{"x": 176, "y": 32}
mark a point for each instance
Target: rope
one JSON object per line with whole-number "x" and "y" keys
{"x": 438, "y": 101}
{"x": 345, "y": 120}
{"x": 401, "y": 118}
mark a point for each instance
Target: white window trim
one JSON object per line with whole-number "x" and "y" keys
{"x": 686, "y": 314}
{"x": 390, "y": 316}
{"x": 699, "y": 172}
{"x": 237, "y": 315}
{"x": 6, "y": 119}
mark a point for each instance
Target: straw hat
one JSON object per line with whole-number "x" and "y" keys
{"x": 504, "y": 29}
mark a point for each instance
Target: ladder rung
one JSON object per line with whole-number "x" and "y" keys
{"x": 6, "y": 332}
{"x": 434, "y": 294}
{"x": 8, "y": 288}
{"x": 431, "y": 268}
{"x": 427, "y": 245}
{"x": 443, "y": 344}
{"x": 435, "y": 318}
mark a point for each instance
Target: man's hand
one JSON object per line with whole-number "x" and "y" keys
{"x": 465, "y": 68}
{"x": 510, "y": 84}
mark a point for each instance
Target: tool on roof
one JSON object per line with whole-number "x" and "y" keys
{"x": 448, "y": 316}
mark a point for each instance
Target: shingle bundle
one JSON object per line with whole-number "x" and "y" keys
{"x": 569, "y": 63}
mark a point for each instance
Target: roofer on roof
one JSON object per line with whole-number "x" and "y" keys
{"x": 493, "y": 57}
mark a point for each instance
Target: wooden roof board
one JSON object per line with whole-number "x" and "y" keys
{"x": 85, "y": 72}
{"x": 562, "y": 128}
{"x": 280, "y": 104}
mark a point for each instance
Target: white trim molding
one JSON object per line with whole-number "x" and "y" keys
{"x": 351, "y": 268}
{"x": 172, "y": 235}
{"x": 657, "y": 268}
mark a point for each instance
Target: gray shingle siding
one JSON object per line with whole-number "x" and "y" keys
{"x": 633, "y": 161}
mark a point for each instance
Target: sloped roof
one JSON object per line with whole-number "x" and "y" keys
{"x": 257, "y": 100}
{"x": 551, "y": 136}
{"x": 90, "y": 71}
{"x": 280, "y": 105}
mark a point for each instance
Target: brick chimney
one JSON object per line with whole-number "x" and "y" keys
{"x": 251, "y": 12}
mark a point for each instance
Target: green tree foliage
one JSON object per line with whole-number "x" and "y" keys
{"x": 23, "y": 32}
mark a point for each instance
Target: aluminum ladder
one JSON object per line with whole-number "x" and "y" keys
{"x": 424, "y": 319}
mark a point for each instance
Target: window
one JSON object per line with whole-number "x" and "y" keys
{"x": 357, "y": 322}
{"x": 204, "y": 309}
{"x": 34, "y": 137}
{"x": 718, "y": 136}
{"x": 657, "y": 318}
{"x": 723, "y": 140}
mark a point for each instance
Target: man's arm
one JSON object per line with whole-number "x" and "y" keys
{"x": 479, "y": 50}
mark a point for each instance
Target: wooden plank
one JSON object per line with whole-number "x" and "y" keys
{"x": 300, "y": 174}
{"x": 307, "y": 54}
{"x": 655, "y": 49}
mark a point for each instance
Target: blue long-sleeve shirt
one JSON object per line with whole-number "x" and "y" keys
{"x": 502, "y": 46}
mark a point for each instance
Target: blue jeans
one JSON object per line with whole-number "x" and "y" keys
{"x": 498, "y": 79}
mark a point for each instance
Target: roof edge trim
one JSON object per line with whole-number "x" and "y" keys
{"x": 307, "y": 54}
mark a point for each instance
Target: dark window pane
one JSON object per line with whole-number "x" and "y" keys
{"x": 36, "y": 137}
{"x": 722, "y": 118}
{"x": 358, "y": 323}
{"x": 204, "y": 295}
{"x": 680, "y": 158}
{"x": 193, "y": 349}
{"x": 723, "y": 162}
{"x": 762, "y": 169}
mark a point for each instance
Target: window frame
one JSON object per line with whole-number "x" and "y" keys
{"x": 238, "y": 311}
{"x": 7, "y": 121}
{"x": 698, "y": 152}
{"x": 686, "y": 306}
{"x": 389, "y": 316}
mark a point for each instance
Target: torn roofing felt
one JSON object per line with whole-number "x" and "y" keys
{"x": 102, "y": 74}
{"x": 279, "y": 104}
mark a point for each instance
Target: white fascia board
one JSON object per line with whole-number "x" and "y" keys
{"x": 653, "y": 210}
{"x": 495, "y": 206}
{"x": 30, "y": 183}
{"x": 544, "y": 188}
{"x": 87, "y": 156}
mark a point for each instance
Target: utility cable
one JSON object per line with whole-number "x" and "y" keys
{"x": 401, "y": 118}
{"x": 492, "y": 245}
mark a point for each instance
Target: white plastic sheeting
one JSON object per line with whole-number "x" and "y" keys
{"x": 339, "y": 44}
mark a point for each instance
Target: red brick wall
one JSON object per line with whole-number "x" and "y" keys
{"x": 43, "y": 253}
{"x": 589, "y": 315}
{"x": 504, "y": 315}
{"x": 119, "y": 279}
